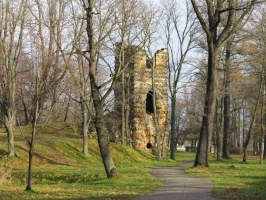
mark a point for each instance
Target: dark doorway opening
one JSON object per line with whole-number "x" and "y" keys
{"x": 149, "y": 103}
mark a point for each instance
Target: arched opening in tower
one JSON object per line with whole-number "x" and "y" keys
{"x": 149, "y": 103}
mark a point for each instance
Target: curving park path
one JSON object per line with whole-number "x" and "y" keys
{"x": 180, "y": 186}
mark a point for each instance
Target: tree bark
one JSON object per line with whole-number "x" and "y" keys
{"x": 155, "y": 118}
{"x": 33, "y": 132}
{"x": 9, "y": 125}
{"x": 203, "y": 151}
{"x": 30, "y": 164}
{"x": 219, "y": 125}
{"x": 12, "y": 25}
{"x": 250, "y": 130}
{"x": 210, "y": 19}
{"x": 264, "y": 148}
{"x": 173, "y": 129}
{"x": 96, "y": 97}
{"x": 262, "y": 122}
{"x": 226, "y": 138}
{"x": 103, "y": 138}
{"x": 85, "y": 126}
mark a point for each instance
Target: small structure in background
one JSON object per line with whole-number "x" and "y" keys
{"x": 138, "y": 95}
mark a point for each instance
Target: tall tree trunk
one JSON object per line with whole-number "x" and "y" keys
{"x": 31, "y": 141}
{"x": 203, "y": 151}
{"x": 250, "y": 130}
{"x": 128, "y": 138}
{"x": 103, "y": 137}
{"x": 2, "y": 117}
{"x": 173, "y": 129}
{"x": 226, "y": 138}
{"x": 25, "y": 108}
{"x": 12, "y": 26}
{"x": 243, "y": 128}
{"x": 155, "y": 118}
{"x": 10, "y": 124}
{"x": 99, "y": 123}
{"x": 30, "y": 162}
{"x": 262, "y": 123}
{"x": 67, "y": 108}
{"x": 264, "y": 148}
{"x": 10, "y": 107}
{"x": 85, "y": 126}
{"x": 219, "y": 125}
{"x": 123, "y": 106}
{"x": 261, "y": 149}
{"x": 210, "y": 19}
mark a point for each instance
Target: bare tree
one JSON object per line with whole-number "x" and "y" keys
{"x": 47, "y": 70}
{"x": 255, "y": 51}
{"x": 11, "y": 37}
{"x": 226, "y": 135}
{"x": 97, "y": 98}
{"x": 210, "y": 14}
{"x": 180, "y": 40}
{"x": 253, "y": 117}
{"x": 79, "y": 73}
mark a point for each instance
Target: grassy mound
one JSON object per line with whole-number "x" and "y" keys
{"x": 60, "y": 170}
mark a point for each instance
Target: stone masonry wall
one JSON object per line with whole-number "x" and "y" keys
{"x": 139, "y": 87}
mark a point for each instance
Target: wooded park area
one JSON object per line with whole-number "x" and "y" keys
{"x": 59, "y": 63}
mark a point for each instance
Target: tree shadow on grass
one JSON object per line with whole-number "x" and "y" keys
{"x": 3, "y": 152}
{"x": 68, "y": 194}
{"x": 38, "y": 155}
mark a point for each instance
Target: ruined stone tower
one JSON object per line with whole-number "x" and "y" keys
{"x": 139, "y": 96}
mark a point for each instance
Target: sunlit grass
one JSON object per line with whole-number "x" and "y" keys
{"x": 61, "y": 171}
{"x": 234, "y": 179}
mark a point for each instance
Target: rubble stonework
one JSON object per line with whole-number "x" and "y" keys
{"x": 138, "y": 87}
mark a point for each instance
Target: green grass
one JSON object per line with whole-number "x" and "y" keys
{"x": 234, "y": 179}
{"x": 61, "y": 171}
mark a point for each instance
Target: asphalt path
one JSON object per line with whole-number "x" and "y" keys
{"x": 180, "y": 185}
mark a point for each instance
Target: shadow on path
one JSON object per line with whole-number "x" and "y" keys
{"x": 179, "y": 185}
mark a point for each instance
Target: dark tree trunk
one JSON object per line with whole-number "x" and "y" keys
{"x": 210, "y": 19}
{"x": 264, "y": 149}
{"x": 29, "y": 179}
{"x": 226, "y": 138}
{"x": 203, "y": 151}
{"x": 128, "y": 138}
{"x": 67, "y": 109}
{"x": 25, "y": 108}
{"x": 250, "y": 130}
{"x": 103, "y": 140}
{"x": 219, "y": 124}
{"x": 31, "y": 141}
{"x": 173, "y": 129}
{"x": 96, "y": 97}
